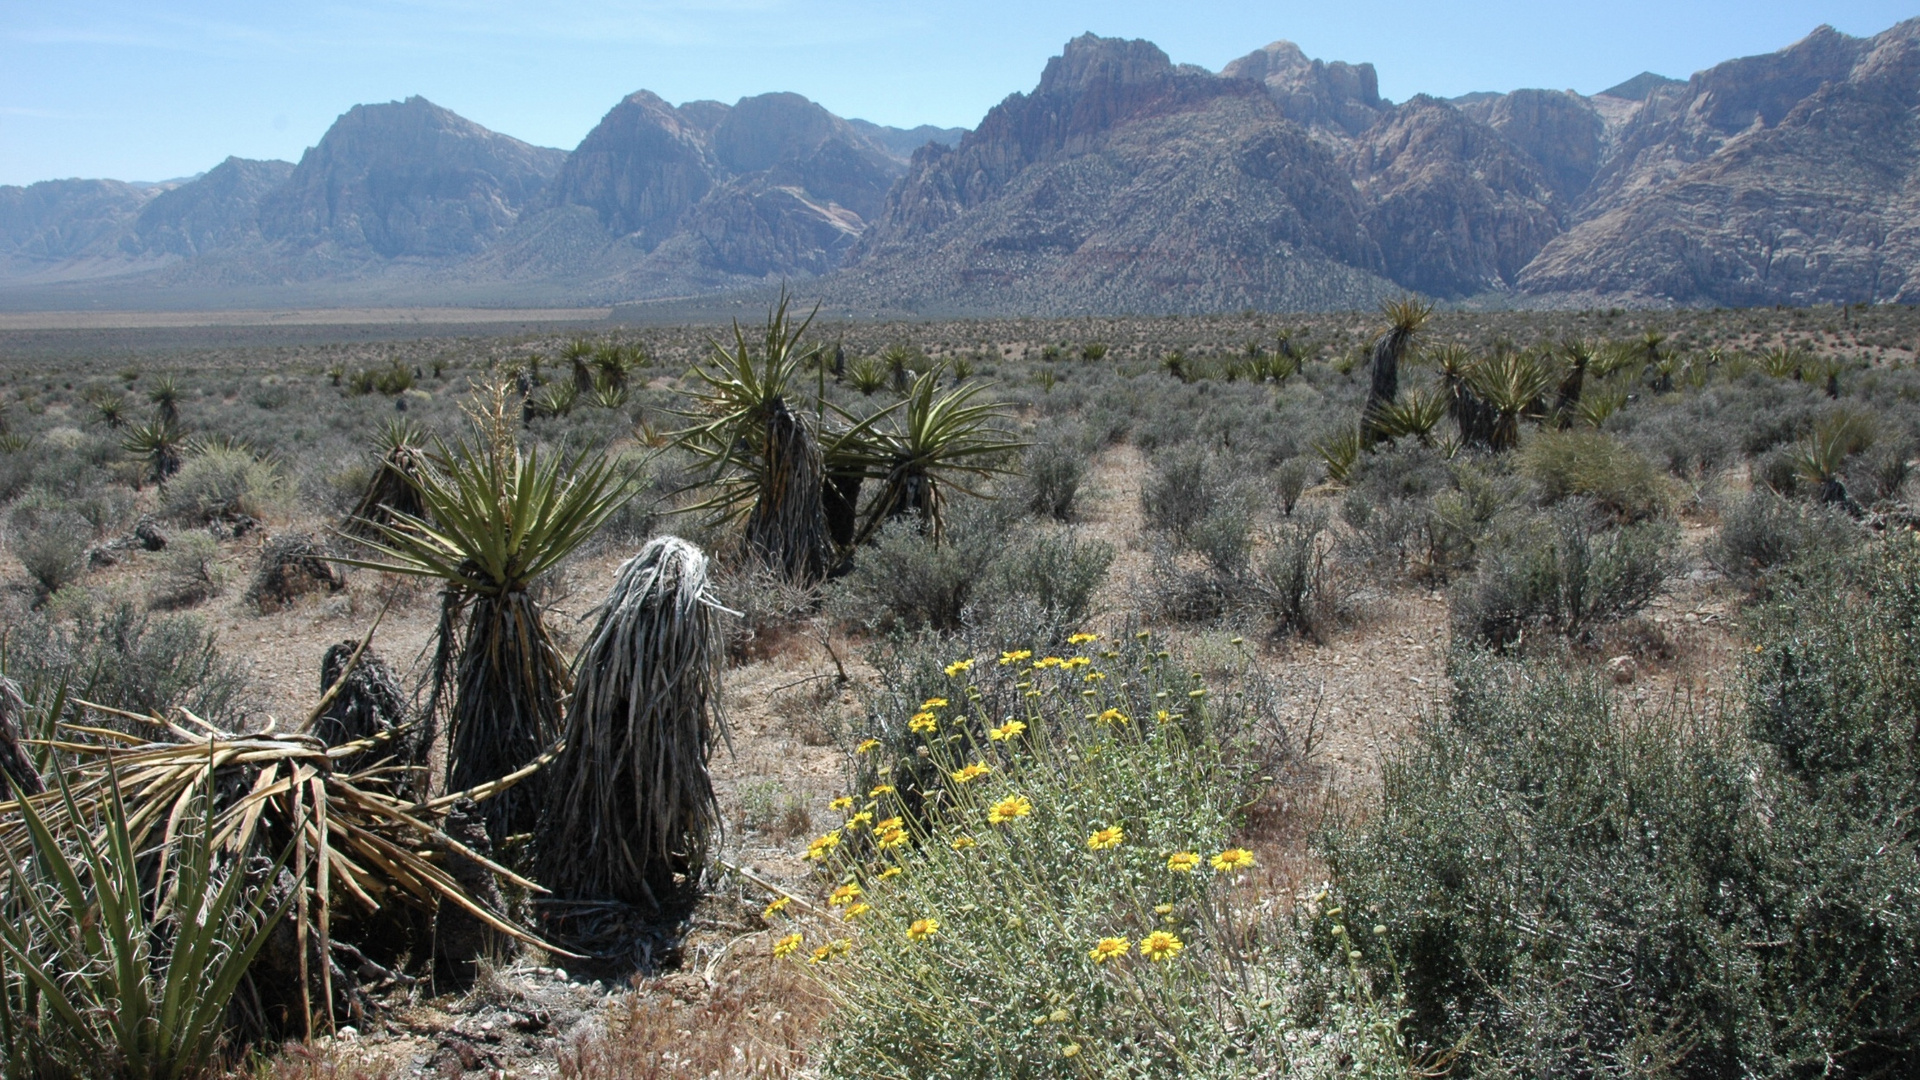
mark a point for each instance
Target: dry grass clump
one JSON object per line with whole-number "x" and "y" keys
{"x": 757, "y": 1022}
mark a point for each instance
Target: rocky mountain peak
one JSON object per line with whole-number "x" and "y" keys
{"x": 407, "y": 178}
{"x": 1335, "y": 96}
{"x": 1090, "y": 64}
{"x": 759, "y": 132}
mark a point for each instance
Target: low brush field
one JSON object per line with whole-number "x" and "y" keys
{"x": 1165, "y": 698}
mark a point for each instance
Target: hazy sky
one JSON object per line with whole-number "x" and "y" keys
{"x": 155, "y": 89}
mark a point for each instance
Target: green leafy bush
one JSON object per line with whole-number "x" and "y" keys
{"x": 219, "y": 481}
{"x": 1564, "y": 572}
{"x": 1595, "y": 466}
{"x": 1589, "y": 892}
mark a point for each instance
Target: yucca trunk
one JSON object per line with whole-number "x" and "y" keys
{"x": 508, "y": 686}
{"x": 393, "y": 491}
{"x": 17, "y": 773}
{"x": 786, "y": 528}
{"x": 631, "y": 805}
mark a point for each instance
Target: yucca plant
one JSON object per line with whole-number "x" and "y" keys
{"x": 1601, "y": 402}
{"x": 764, "y": 459}
{"x": 165, "y": 396}
{"x": 578, "y": 354}
{"x": 1415, "y": 416}
{"x": 1566, "y": 402}
{"x": 1824, "y": 452}
{"x": 1405, "y": 318}
{"x": 866, "y": 375}
{"x": 1512, "y": 385}
{"x": 137, "y": 820}
{"x": 1471, "y": 415}
{"x": 610, "y": 396}
{"x": 555, "y": 399}
{"x": 103, "y": 974}
{"x": 111, "y": 410}
{"x": 1783, "y": 363}
{"x": 158, "y": 445}
{"x": 1341, "y": 453}
{"x": 394, "y": 490}
{"x": 939, "y": 441}
{"x": 631, "y": 805}
{"x": 496, "y": 519}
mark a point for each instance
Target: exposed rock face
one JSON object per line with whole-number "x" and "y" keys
{"x": 1456, "y": 207}
{"x": 1561, "y": 131}
{"x": 46, "y": 225}
{"x": 1789, "y": 178}
{"x": 407, "y": 179}
{"x": 900, "y": 143}
{"x": 220, "y": 209}
{"x": 1337, "y": 96}
{"x": 639, "y": 169}
{"x": 1121, "y": 183}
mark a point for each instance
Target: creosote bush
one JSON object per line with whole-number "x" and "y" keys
{"x": 1594, "y": 466}
{"x": 218, "y": 481}
{"x": 1565, "y": 573}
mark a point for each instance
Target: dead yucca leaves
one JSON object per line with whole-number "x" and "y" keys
{"x": 632, "y": 803}
{"x": 393, "y": 492}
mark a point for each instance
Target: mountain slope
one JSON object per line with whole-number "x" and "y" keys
{"x": 1789, "y": 178}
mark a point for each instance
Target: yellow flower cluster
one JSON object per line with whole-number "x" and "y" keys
{"x": 1009, "y": 730}
{"x": 844, "y": 895}
{"x": 1109, "y": 837}
{"x": 867, "y": 746}
{"x": 1183, "y": 862}
{"x": 836, "y": 947}
{"x": 786, "y": 946}
{"x": 958, "y": 668}
{"x": 1082, "y": 638}
{"x": 776, "y": 907}
{"x": 1112, "y": 716}
{"x": 1110, "y": 948}
{"x": 1160, "y": 945}
{"x": 1015, "y": 656}
{"x": 922, "y": 929}
{"x": 923, "y": 723}
{"x": 843, "y": 803}
{"x": 1233, "y": 859}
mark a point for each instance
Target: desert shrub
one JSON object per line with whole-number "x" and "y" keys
{"x": 1184, "y": 485}
{"x": 1586, "y": 893}
{"x": 1051, "y": 474}
{"x": 50, "y": 540}
{"x": 113, "y": 653}
{"x": 1761, "y": 532}
{"x": 1290, "y": 481}
{"x": 1595, "y": 466}
{"x": 1565, "y": 572}
{"x": 224, "y": 482}
{"x": 1294, "y": 587}
{"x": 1388, "y": 536}
{"x": 988, "y": 565}
{"x": 1401, "y": 472}
{"x": 16, "y": 472}
{"x": 1044, "y": 885}
{"x": 189, "y": 573}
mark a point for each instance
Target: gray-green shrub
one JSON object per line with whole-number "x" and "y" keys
{"x": 225, "y": 482}
{"x": 1565, "y": 572}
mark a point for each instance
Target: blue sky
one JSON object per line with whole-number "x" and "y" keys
{"x": 163, "y": 88}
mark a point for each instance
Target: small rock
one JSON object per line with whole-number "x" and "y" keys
{"x": 1623, "y": 669}
{"x": 147, "y": 531}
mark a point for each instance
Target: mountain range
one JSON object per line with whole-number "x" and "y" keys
{"x": 1122, "y": 182}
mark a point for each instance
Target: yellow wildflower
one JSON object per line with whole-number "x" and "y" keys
{"x": 859, "y": 819}
{"x": 1046, "y": 662}
{"x": 971, "y": 772}
{"x": 1076, "y": 662}
{"x": 1183, "y": 862}
{"x": 1112, "y": 716}
{"x": 892, "y": 824}
{"x": 1110, "y": 948}
{"x": 883, "y": 789}
{"x": 959, "y": 667}
{"x": 934, "y": 703}
{"x": 819, "y": 848}
{"x": 857, "y": 910}
{"x": 1163, "y": 716}
{"x": 866, "y": 746}
{"x": 821, "y": 955}
{"x": 893, "y": 838}
{"x": 1094, "y": 676}
{"x": 844, "y": 802}
{"x": 1015, "y": 656}
{"x": 844, "y": 895}
{"x": 891, "y": 871}
{"x": 1013, "y": 806}
{"x": 1160, "y": 945}
{"x": 776, "y": 907}
{"x": 1109, "y": 837}
{"x": 962, "y": 843}
{"x": 922, "y": 929}
{"x": 1070, "y": 1050}
{"x": 786, "y": 945}
{"x": 1233, "y": 859}
{"x": 923, "y": 722}
{"x": 1006, "y": 731}
{"x": 1163, "y": 909}
{"x": 1082, "y": 638}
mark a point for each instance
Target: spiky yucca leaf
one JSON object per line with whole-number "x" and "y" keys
{"x": 1341, "y": 453}
{"x": 1405, "y": 318}
{"x": 1511, "y": 384}
{"x": 630, "y": 802}
{"x": 939, "y": 441}
{"x": 1414, "y": 416}
{"x": 393, "y": 491}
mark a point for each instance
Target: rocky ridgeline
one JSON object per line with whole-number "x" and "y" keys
{"x": 1121, "y": 182}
